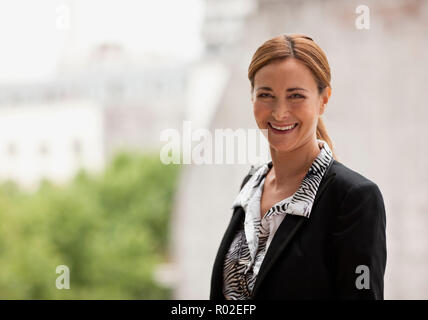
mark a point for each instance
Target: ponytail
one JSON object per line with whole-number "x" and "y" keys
{"x": 323, "y": 135}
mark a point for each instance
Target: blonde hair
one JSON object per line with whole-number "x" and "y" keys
{"x": 303, "y": 48}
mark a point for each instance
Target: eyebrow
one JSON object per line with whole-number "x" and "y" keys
{"x": 288, "y": 90}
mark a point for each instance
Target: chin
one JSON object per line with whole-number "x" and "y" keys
{"x": 282, "y": 147}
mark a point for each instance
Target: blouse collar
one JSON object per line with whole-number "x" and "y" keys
{"x": 303, "y": 198}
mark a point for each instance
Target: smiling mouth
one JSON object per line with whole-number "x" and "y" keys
{"x": 283, "y": 128}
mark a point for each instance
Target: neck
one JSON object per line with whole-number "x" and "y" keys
{"x": 292, "y": 165}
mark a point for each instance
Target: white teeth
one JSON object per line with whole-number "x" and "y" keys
{"x": 284, "y": 128}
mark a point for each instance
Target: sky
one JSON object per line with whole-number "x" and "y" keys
{"x": 36, "y": 34}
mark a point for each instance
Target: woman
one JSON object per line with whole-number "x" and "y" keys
{"x": 304, "y": 225}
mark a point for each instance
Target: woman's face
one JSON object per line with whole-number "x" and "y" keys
{"x": 285, "y": 94}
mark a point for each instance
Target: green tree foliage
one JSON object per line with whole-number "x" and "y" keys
{"x": 110, "y": 229}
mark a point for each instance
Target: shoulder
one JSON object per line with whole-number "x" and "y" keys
{"x": 347, "y": 178}
{"x": 350, "y": 184}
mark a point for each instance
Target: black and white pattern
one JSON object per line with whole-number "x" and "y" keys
{"x": 248, "y": 249}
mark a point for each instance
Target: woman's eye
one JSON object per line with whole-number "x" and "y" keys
{"x": 262, "y": 95}
{"x": 296, "y": 96}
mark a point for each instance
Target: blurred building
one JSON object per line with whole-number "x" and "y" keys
{"x": 50, "y": 141}
{"x": 376, "y": 118}
{"x": 97, "y": 105}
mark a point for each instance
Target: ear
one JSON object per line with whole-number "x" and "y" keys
{"x": 322, "y": 109}
{"x": 324, "y": 99}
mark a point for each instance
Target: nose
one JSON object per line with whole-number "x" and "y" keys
{"x": 280, "y": 110}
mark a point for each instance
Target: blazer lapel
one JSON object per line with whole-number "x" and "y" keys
{"x": 287, "y": 229}
{"x": 217, "y": 275}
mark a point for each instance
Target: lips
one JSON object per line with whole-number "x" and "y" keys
{"x": 283, "y": 129}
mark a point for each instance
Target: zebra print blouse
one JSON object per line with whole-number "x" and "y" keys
{"x": 248, "y": 248}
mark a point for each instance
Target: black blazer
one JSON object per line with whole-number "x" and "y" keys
{"x": 317, "y": 257}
